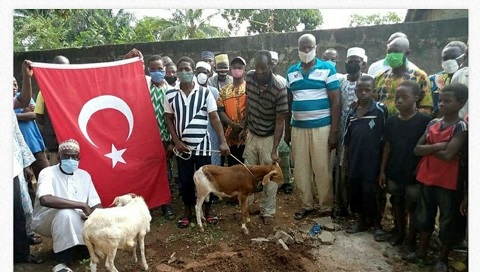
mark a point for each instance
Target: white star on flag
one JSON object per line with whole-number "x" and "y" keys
{"x": 116, "y": 155}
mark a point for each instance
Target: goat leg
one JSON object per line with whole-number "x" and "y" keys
{"x": 198, "y": 211}
{"x": 109, "y": 260}
{"x": 242, "y": 199}
{"x": 142, "y": 250}
{"x": 134, "y": 254}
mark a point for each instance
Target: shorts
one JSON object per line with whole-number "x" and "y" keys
{"x": 411, "y": 192}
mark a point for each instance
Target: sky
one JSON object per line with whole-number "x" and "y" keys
{"x": 332, "y": 18}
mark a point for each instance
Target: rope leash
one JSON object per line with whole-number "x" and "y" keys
{"x": 189, "y": 154}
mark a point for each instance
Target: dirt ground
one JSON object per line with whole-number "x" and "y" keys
{"x": 224, "y": 248}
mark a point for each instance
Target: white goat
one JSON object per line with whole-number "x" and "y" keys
{"x": 120, "y": 227}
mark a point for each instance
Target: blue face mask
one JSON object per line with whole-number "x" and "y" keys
{"x": 157, "y": 76}
{"x": 69, "y": 165}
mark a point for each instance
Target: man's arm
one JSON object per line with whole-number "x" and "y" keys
{"x": 335, "y": 115}
{"x": 279, "y": 127}
{"x": 23, "y": 99}
{"x": 56, "y": 202}
{"x": 179, "y": 145}
{"x": 217, "y": 126}
{"x": 288, "y": 117}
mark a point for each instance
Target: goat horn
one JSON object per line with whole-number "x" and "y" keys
{"x": 115, "y": 201}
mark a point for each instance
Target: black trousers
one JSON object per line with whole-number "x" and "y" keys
{"x": 21, "y": 245}
{"x": 236, "y": 151}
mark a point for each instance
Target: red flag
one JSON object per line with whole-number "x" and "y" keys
{"x": 106, "y": 107}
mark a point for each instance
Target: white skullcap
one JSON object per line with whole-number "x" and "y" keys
{"x": 356, "y": 51}
{"x": 203, "y": 65}
{"x": 69, "y": 144}
{"x": 274, "y": 55}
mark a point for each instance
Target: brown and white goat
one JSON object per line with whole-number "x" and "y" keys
{"x": 120, "y": 227}
{"x": 232, "y": 181}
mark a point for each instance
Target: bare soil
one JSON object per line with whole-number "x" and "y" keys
{"x": 224, "y": 248}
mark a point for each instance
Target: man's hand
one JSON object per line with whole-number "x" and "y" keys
{"x": 382, "y": 180}
{"x": 133, "y": 53}
{"x": 181, "y": 147}
{"x": 332, "y": 141}
{"x": 27, "y": 68}
{"x": 86, "y": 209}
{"x": 28, "y": 173}
{"x": 224, "y": 149}
{"x": 275, "y": 157}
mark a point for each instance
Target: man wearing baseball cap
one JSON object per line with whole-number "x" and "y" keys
{"x": 221, "y": 67}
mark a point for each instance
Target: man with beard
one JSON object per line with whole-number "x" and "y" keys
{"x": 267, "y": 105}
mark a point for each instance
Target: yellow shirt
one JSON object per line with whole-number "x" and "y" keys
{"x": 40, "y": 104}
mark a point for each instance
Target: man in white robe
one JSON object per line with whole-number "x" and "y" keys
{"x": 65, "y": 197}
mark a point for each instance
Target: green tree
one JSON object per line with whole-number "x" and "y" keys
{"x": 272, "y": 20}
{"x": 53, "y": 29}
{"x": 191, "y": 24}
{"x": 374, "y": 19}
{"x": 149, "y": 29}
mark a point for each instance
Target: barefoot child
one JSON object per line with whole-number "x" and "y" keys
{"x": 363, "y": 137}
{"x": 438, "y": 173}
{"x": 397, "y": 172}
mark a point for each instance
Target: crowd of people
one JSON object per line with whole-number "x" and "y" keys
{"x": 382, "y": 128}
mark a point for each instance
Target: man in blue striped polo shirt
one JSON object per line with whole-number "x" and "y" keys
{"x": 315, "y": 113}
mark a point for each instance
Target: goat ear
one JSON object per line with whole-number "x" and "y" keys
{"x": 266, "y": 178}
{"x": 277, "y": 165}
{"x": 115, "y": 202}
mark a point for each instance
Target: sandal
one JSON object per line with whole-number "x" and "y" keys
{"x": 302, "y": 213}
{"x": 168, "y": 213}
{"x": 61, "y": 267}
{"x": 34, "y": 239}
{"x": 267, "y": 220}
{"x": 183, "y": 222}
{"x": 30, "y": 259}
{"x": 355, "y": 229}
{"x": 379, "y": 235}
{"x": 211, "y": 219}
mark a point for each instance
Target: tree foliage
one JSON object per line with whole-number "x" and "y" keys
{"x": 53, "y": 29}
{"x": 272, "y": 20}
{"x": 43, "y": 29}
{"x": 191, "y": 24}
{"x": 374, "y": 19}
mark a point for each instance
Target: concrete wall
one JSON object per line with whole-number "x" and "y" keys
{"x": 427, "y": 40}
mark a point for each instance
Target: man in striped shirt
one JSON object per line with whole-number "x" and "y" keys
{"x": 188, "y": 110}
{"x": 267, "y": 105}
{"x": 315, "y": 114}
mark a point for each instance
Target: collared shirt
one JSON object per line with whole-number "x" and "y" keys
{"x": 311, "y": 104}
{"x": 233, "y": 101}
{"x": 386, "y": 85}
{"x": 191, "y": 117}
{"x": 157, "y": 95}
{"x": 437, "y": 82}
{"x": 264, "y": 105}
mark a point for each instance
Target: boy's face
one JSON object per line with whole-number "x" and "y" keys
{"x": 364, "y": 90}
{"x": 404, "y": 99}
{"x": 448, "y": 104}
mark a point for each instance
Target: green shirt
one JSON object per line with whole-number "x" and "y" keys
{"x": 157, "y": 94}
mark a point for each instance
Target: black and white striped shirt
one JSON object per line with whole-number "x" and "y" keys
{"x": 191, "y": 116}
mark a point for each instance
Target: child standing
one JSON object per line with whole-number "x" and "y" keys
{"x": 363, "y": 137}
{"x": 397, "y": 171}
{"x": 440, "y": 147}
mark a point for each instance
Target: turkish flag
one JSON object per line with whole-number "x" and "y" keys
{"x": 106, "y": 107}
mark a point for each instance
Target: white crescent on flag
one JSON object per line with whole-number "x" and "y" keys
{"x": 100, "y": 103}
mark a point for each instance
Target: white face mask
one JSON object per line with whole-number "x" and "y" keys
{"x": 307, "y": 57}
{"x": 451, "y": 66}
{"x": 202, "y": 78}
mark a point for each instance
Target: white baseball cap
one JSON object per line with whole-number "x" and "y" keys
{"x": 203, "y": 64}
{"x": 274, "y": 55}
